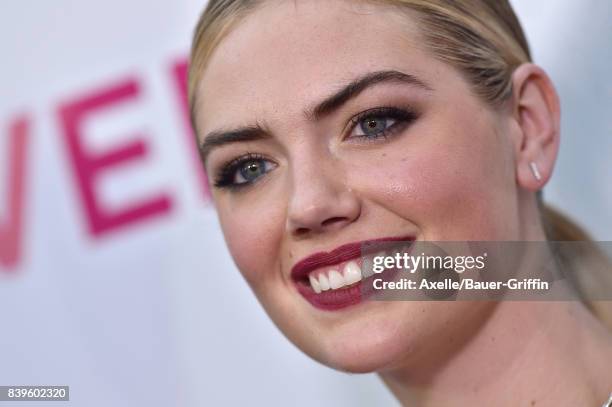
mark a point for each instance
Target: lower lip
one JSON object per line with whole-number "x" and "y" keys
{"x": 332, "y": 300}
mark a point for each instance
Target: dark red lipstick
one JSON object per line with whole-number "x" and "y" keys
{"x": 339, "y": 298}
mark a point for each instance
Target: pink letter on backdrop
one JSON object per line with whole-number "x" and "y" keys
{"x": 11, "y": 230}
{"x": 179, "y": 71}
{"x": 87, "y": 165}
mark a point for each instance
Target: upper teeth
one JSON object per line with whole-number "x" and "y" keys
{"x": 333, "y": 279}
{"x": 367, "y": 269}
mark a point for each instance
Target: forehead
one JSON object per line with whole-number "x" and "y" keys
{"x": 287, "y": 55}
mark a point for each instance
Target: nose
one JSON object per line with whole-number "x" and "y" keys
{"x": 321, "y": 200}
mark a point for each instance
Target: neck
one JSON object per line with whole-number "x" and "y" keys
{"x": 528, "y": 353}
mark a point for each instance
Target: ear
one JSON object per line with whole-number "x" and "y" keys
{"x": 537, "y": 113}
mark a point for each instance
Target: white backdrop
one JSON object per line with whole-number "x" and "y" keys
{"x": 114, "y": 277}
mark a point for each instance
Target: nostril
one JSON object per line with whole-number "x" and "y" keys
{"x": 301, "y": 231}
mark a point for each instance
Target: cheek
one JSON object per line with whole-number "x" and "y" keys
{"x": 253, "y": 230}
{"x": 450, "y": 185}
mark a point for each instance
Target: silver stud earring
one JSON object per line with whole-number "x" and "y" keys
{"x": 535, "y": 170}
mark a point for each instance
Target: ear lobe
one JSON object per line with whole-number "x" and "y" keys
{"x": 537, "y": 112}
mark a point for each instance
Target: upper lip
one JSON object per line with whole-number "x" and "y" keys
{"x": 341, "y": 254}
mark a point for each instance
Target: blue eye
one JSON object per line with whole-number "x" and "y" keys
{"x": 380, "y": 122}
{"x": 374, "y": 126}
{"x": 370, "y": 125}
{"x": 249, "y": 171}
{"x": 243, "y": 171}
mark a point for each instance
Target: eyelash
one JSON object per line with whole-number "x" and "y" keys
{"x": 227, "y": 173}
{"x": 403, "y": 117}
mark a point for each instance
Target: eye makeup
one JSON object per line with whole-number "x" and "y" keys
{"x": 368, "y": 120}
{"x": 376, "y": 124}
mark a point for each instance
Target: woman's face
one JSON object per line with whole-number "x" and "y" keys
{"x": 410, "y": 151}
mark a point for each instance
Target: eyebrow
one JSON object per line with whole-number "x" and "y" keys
{"x": 330, "y": 104}
{"x": 355, "y": 87}
{"x": 218, "y": 138}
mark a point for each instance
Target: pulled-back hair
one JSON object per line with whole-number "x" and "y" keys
{"x": 484, "y": 41}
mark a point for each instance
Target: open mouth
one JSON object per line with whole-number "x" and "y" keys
{"x": 344, "y": 276}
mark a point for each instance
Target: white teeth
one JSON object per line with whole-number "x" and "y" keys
{"x": 335, "y": 279}
{"x": 315, "y": 284}
{"x": 352, "y": 273}
{"x": 323, "y": 282}
{"x": 368, "y": 265}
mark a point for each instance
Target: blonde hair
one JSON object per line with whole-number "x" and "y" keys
{"x": 484, "y": 41}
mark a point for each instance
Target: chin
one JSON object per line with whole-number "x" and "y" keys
{"x": 397, "y": 334}
{"x": 366, "y": 345}
{"x": 369, "y": 358}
